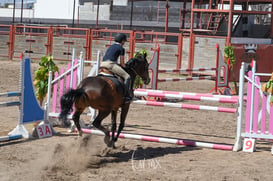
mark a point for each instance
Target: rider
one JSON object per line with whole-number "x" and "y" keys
{"x": 110, "y": 61}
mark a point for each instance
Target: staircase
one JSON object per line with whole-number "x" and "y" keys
{"x": 161, "y": 11}
{"x": 214, "y": 22}
{"x": 209, "y": 21}
{"x": 215, "y": 19}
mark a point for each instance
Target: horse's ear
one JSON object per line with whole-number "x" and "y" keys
{"x": 145, "y": 55}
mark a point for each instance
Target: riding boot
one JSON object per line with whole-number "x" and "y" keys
{"x": 127, "y": 86}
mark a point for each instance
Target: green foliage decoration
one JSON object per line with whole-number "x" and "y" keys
{"x": 268, "y": 87}
{"x": 230, "y": 59}
{"x": 41, "y": 76}
{"x": 229, "y": 55}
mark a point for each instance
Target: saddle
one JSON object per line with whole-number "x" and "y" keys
{"x": 113, "y": 79}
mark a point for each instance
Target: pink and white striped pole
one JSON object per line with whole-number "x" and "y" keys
{"x": 183, "y": 96}
{"x": 185, "y": 70}
{"x": 185, "y": 78}
{"x": 165, "y": 140}
{"x": 186, "y": 106}
{"x": 186, "y": 93}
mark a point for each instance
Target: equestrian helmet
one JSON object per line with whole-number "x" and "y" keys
{"x": 120, "y": 37}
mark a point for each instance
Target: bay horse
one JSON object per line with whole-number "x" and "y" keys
{"x": 106, "y": 94}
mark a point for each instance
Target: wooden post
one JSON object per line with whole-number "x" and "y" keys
{"x": 179, "y": 51}
{"x": 271, "y": 30}
{"x": 11, "y": 41}
{"x": 98, "y": 7}
{"x": 192, "y": 39}
{"x": 88, "y": 44}
{"x": 230, "y": 20}
{"x": 49, "y": 44}
{"x": 166, "y": 20}
{"x": 132, "y": 44}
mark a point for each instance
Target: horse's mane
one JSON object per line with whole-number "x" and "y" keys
{"x": 131, "y": 62}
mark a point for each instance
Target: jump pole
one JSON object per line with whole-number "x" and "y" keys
{"x": 11, "y": 137}
{"x": 185, "y": 78}
{"x": 185, "y": 97}
{"x": 165, "y": 140}
{"x": 186, "y": 106}
{"x": 191, "y": 95}
{"x": 185, "y": 70}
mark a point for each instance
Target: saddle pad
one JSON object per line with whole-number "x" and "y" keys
{"x": 106, "y": 74}
{"x": 117, "y": 82}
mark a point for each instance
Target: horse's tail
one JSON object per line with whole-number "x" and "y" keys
{"x": 67, "y": 101}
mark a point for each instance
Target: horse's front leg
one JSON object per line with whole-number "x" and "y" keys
{"x": 123, "y": 115}
{"x": 76, "y": 119}
{"x": 114, "y": 127}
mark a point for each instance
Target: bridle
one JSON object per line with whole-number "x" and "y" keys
{"x": 131, "y": 68}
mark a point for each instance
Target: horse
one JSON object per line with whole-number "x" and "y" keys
{"x": 105, "y": 94}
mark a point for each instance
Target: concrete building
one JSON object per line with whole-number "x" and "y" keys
{"x": 146, "y": 15}
{"x": 58, "y": 9}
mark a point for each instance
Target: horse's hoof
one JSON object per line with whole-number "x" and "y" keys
{"x": 106, "y": 140}
{"x": 80, "y": 133}
{"x": 90, "y": 126}
{"x": 111, "y": 144}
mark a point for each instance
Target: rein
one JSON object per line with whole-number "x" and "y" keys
{"x": 134, "y": 71}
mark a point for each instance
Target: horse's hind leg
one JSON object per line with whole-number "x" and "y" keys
{"x": 76, "y": 119}
{"x": 97, "y": 124}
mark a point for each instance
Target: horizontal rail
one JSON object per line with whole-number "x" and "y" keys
{"x": 165, "y": 140}
{"x": 10, "y": 94}
{"x": 187, "y": 93}
{"x": 262, "y": 74}
{"x": 186, "y": 106}
{"x": 11, "y": 137}
{"x": 185, "y": 97}
{"x": 8, "y": 104}
{"x": 186, "y": 78}
{"x": 186, "y": 70}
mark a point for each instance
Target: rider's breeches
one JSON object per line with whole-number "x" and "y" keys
{"x": 115, "y": 68}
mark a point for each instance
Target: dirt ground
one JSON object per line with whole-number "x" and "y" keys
{"x": 68, "y": 157}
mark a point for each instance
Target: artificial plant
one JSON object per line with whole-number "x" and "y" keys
{"x": 41, "y": 76}
{"x": 268, "y": 88}
{"x": 230, "y": 61}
